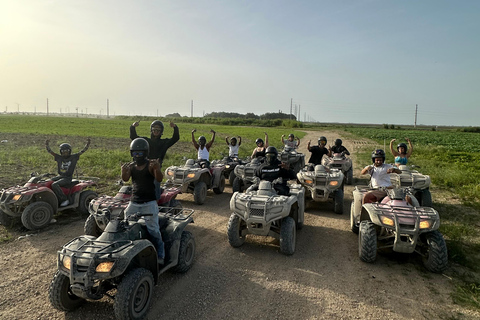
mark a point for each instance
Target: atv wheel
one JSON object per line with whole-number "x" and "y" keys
{"x": 85, "y": 198}
{"x": 367, "y": 242}
{"x": 221, "y": 187}
{"x": 60, "y": 295}
{"x": 231, "y": 177}
{"x": 200, "y": 192}
{"x": 37, "y": 215}
{"x": 134, "y": 295}
{"x": 186, "y": 252}
{"x": 338, "y": 201}
{"x": 435, "y": 258}
{"x": 353, "y": 224}
{"x": 237, "y": 185}
{"x": 349, "y": 176}
{"x": 7, "y": 221}
{"x": 424, "y": 197}
{"x": 288, "y": 236}
{"x": 91, "y": 227}
{"x": 236, "y": 231}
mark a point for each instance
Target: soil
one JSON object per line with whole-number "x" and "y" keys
{"x": 324, "y": 279}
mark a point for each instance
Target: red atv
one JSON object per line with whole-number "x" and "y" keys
{"x": 35, "y": 203}
{"x": 106, "y": 208}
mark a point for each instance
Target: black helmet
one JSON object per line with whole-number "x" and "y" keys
{"x": 379, "y": 153}
{"x": 233, "y": 139}
{"x": 139, "y": 150}
{"x": 202, "y": 140}
{"x": 259, "y": 141}
{"x": 65, "y": 150}
{"x": 271, "y": 155}
{"x": 322, "y": 138}
{"x": 338, "y": 142}
{"x": 402, "y": 145}
{"x": 157, "y": 123}
{"x": 291, "y": 136}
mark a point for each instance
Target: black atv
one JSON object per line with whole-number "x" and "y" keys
{"x": 122, "y": 257}
{"x": 230, "y": 163}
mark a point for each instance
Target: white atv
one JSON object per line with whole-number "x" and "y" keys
{"x": 419, "y": 182}
{"x": 294, "y": 159}
{"x": 342, "y": 162}
{"x": 265, "y": 213}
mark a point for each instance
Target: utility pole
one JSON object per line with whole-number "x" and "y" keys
{"x": 416, "y": 110}
{"x": 299, "y": 114}
{"x": 291, "y": 105}
{"x": 191, "y": 110}
{"x": 108, "y": 111}
{"x": 47, "y": 106}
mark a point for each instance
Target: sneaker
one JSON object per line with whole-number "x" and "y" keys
{"x": 64, "y": 203}
{"x": 160, "y": 261}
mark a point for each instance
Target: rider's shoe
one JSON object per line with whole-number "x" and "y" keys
{"x": 160, "y": 261}
{"x": 64, "y": 203}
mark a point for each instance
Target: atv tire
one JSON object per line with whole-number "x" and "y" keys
{"x": 8, "y": 221}
{"x": 200, "y": 192}
{"x": 424, "y": 197}
{"x": 237, "y": 185}
{"x": 186, "y": 252}
{"x": 231, "y": 177}
{"x": 353, "y": 224}
{"x": 37, "y": 215}
{"x": 435, "y": 258}
{"x": 85, "y": 198}
{"x": 338, "y": 201}
{"x": 367, "y": 242}
{"x": 288, "y": 236}
{"x": 60, "y": 295}
{"x": 134, "y": 295}
{"x": 349, "y": 177}
{"x": 235, "y": 231}
{"x": 221, "y": 187}
{"x": 91, "y": 227}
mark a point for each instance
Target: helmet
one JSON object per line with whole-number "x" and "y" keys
{"x": 338, "y": 142}
{"x": 233, "y": 139}
{"x": 139, "y": 150}
{"x": 259, "y": 141}
{"x": 202, "y": 140}
{"x": 322, "y": 138}
{"x": 65, "y": 150}
{"x": 271, "y": 155}
{"x": 291, "y": 136}
{"x": 158, "y": 124}
{"x": 379, "y": 153}
{"x": 402, "y": 145}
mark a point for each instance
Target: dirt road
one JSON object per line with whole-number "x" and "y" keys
{"x": 324, "y": 279}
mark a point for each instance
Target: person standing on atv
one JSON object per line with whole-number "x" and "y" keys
{"x": 403, "y": 153}
{"x": 380, "y": 179}
{"x": 272, "y": 169}
{"x": 290, "y": 142}
{"x": 259, "y": 151}
{"x": 66, "y": 163}
{"x": 203, "y": 148}
{"x": 318, "y": 151}
{"x": 157, "y": 146}
{"x": 143, "y": 173}
{"x": 233, "y": 147}
{"x": 338, "y": 148}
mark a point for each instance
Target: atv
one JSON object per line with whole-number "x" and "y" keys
{"x": 412, "y": 178}
{"x": 99, "y": 218}
{"x": 230, "y": 163}
{"x": 294, "y": 159}
{"x": 263, "y": 212}
{"x": 400, "y": 223}
{"x": 195, "y": 177}
{"x": 121, "y": 258}
{"x": 323, "y": 185}
{"x": 35, "y": 203}
{"x": 245, "y": 174}
{"x": 342, "y": 162}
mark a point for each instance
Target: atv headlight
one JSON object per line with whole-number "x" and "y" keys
{"x": 67, "y": 262}
{"x": 16, "y": 197}
{"x": 191, "y": 175}
{"x": 170, "y": 173}
{"x": 227, "y": 166}
{"x": 387, "y": 221}
{"x": 425, "y": 224}
{"x": 333, "y": 183}
{"x": 308, "y": 181}
{"x": 104, "y": 266}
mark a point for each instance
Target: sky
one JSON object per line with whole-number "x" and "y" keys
{"x": 358, "y": 61}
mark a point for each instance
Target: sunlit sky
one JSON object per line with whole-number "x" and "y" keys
{"x": 334, "y": 61}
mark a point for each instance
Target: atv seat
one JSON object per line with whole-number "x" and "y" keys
{"x": 72, "y": 183}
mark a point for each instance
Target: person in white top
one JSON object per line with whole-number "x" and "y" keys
{"x": 203, "y": 148}
{"x": 380, "y": 178}
{"x": 233, "y": 147}
{"x": 292, "y": 141}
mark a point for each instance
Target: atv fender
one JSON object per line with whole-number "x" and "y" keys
{"x": 217, "y": 175}
{"x": 46, "y": 195}
{"x": 370, "y": 213}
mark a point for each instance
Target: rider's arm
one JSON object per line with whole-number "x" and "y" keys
{"x": 410, "y": 149}
{"x": 298, "y": 145}
{"x": 346, "y": 151}
{"x": 195, "y": 144}
{"x": 133, "y": 131}
{"x": 86, "y": 147}
{"x": 394, "y": 152}
{"x": 209, "y": 145}
{"x": 176, "y": 135}
{"x": 126, "y": 171}
{"x": 239, "y": 141}
{"x": 47, "y": 146}
{"x": 308, "y": 145}
{"x": 266, "y": 140}
{"x": 367, "y": 169}
{"x": 155, "y": 169}
{"x": 283, "y": 141}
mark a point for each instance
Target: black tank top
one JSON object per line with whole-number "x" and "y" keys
{"x": 143, "y": 186}
{"x": 260, "y": 153}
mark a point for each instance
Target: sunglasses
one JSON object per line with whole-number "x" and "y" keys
{"x": 156, "y": 130}
{"x": 138, "y": 153}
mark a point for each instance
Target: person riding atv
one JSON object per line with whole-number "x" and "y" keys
{"x": 203, "y": 148}
{"x": 292, "y": 141}
{"x": 233, "y": 147}
{"x": 318, "y": 151}
{"x": 338, "y": 148}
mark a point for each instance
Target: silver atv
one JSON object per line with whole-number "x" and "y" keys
{"x": 342, "y": 162}
{"x": 294, "y": 159}
{"x": 265, "y": 213}
{"x": 245, "y": 174}
{"x": 323, "y": 185}
{"x": 399, "y": 223}
{"x": 420, "y": 183}
{"x": 194, "y": 177}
